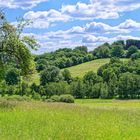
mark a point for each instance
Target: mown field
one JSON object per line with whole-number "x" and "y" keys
{"x": 81, "y": 69}
{"x": 84, "y": 120}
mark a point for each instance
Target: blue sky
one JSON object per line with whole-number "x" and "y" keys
{"x": 69, "y": 23}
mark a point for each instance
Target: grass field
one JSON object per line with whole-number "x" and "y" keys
{"x": 84, "y": 120}
{"x": 80, "y": 70}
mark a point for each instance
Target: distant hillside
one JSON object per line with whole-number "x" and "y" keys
{"x": 81, "y": 69}
{"x": 66, "y": 57}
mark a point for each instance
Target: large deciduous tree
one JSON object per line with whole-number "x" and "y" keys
{"x": 14, "y": 47}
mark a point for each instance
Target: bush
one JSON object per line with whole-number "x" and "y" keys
{"x": 55, "y": 98}
{"x": 17, "y": 98}
{"x": 36, "y": 96}
{"x": 49, "y": 100}
{"x": 14, "y": 98}
{"x": 67, "y": 98}
{"x": 44, "y": 98}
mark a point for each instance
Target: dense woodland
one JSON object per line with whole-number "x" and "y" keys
{"x": 116, "y": 79}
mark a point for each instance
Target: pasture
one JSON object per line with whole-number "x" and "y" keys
{"x": 84, "y": 120}
{"x": 81, "y": 69}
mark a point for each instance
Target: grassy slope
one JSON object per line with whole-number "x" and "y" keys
{"x": 80, "y": 70}
{"x": 76, "y": 71}
{"x": 87, "y": 120}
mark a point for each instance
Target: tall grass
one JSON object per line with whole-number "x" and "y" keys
{"x": 58, "y": 121}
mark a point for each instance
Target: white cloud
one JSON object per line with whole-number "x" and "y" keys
{"x": 104, "y": 9}
{"x": 84, "y": 11}
{"x": 102, "y": 28}
{"x": 90, "y": 39}
{"x": 23, "y": 4}
{"x": 42, "y": 19}
{"x": 99, "y": 27}
{"x": 92, "y": 35}
{"x": 122, "y": 37}
{"x": 129, "y": 24}
{"x": 94, "y": 39}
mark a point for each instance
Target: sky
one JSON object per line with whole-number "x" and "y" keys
{"x": 70, "y": 23}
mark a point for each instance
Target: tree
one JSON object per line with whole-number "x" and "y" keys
{"x": 132, "y": 42}
{"x": 57, "y": 88}
{"x": 117, "y": 51}
{"x": 40, "y": 67}
{"x": 129, "y": 86}
{"x": 81, "y": 48}
{"x": 67, "y": 75}
{"x": 135, "y": 56}
{"x": 102, "y": 51}
{"x": 51, "y": 74}
{"x": 104, "y": 91}
{"x": 94, "y": 91}
{"x": 112, "y": 86}
{"x": 78, "y": 89}
{"x": 91, "y": 77}
{"x": 132, "y": 50}
{"x": 12, "y": 77}
{"x": 15, "y": 48}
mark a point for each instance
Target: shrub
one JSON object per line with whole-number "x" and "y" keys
{"x": 36, "y": 96}
{"x": 49, "y": 100}
{"x": 44, "y": 98}
{"x": 17, "y": 98}
{"x": 55, "y": 98}
{"x": 67, "y": 98}
{"x": 14, "y": 98}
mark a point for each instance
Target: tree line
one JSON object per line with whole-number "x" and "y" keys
{"x": 63, "y": 58}
{"x": 117, "y": 79}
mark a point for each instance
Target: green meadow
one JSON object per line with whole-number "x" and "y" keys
{"x": 84, "y": 120}
{"x": 81, "y": 69}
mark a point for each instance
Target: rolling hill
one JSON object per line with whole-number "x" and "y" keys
{"x": 76, "y": 71}
{"x": 81, "y": 69}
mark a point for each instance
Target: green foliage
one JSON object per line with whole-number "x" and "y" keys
{"x": 56, "y": 88}
{"x": 14, "y": 49}
{"x": 63, "y": 58}
{"x": 36, "y": 96}
{"x": 91, "y": 77}
{"x": 78, "y": 89}
{"x": 81, "y": 49}
{"x": 66, "y": 98}
{"x": 102, "y": 51}
{"x": 67, "y": 75}
{"x": 94, "y": 91}
{"x": 117, "y": 51}
{"x": 55, "y": 98}
{"x": 17, "y": 98}
{"x": 104, "y": 91}
{"x": 51, "y": 74}
{"x": 129, "y": 86}
{"x": 132, "y": 42}
{"x": 135, "y": 56}
{"x": 12, "y": 77}
{"x": 132, "y": 50}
